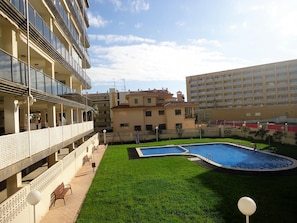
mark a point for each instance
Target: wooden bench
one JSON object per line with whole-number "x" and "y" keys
{"x": 59, "y": 193}
{"x": 86, "y": 159}
{"x": 95, "y": 148}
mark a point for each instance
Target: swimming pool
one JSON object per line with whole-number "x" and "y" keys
{"x": 225, "y": 155}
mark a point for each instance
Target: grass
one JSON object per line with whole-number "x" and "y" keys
{"x": 174, "y": 189}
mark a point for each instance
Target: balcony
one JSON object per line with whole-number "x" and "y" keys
{"x": 41, "y": 33}
{"x": 19, "y": 146}
{"x": 17, "y": 72}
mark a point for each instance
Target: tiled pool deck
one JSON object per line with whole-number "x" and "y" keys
{"x": 80, "y": 185}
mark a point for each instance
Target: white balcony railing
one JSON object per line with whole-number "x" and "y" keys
{"x": 16, "y": 147}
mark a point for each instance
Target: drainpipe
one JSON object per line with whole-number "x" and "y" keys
{"x": 30, "y": 99}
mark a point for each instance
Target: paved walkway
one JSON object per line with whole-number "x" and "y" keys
{"x": 80, "y": 185}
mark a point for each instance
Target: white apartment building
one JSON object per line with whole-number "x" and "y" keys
{"x": 264, "y": 92}
{"x": 43, "y": 62}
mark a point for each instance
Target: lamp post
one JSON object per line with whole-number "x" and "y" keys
{"x": 247, "y": 206}
{"x": 104, "y": 136}
{"x": 33, "y": 198}
{"x": 157, "y": 132}
{"x": 200, "y": 131}
{"x": 244, "y": 128}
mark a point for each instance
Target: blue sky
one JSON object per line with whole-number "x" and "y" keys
{"x": 146, "y": 44}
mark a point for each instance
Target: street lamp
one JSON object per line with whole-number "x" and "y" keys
{"x": 157, "y": 128}
{"x": 33, "y": 198}
{"x": 104, "y": 136}
{"x": 200, "y": 131}
{"x": 244, "y": 128}
{"x": 247, "y": 206}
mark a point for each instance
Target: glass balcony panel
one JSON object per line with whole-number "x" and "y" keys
{"x": 54, "y": 88}
{"x": 31, "y": 15}
{"x": 24, "y": 71}
{"x": 39, "y": 24}
{"x": 20, "y": 5}
{"x": 47, "y": 33}
{"x": 33, "y": 82}
{"x": 16, "y": 71}
{"x": 5, "y": 66}
{"x": 60, "y": 88}
{"x": 40, "y": 81}
{"x": 48, "y": 84}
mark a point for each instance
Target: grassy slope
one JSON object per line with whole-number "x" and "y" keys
{"x": 173, "y": 189}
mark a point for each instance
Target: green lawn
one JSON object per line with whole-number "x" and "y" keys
{"x": 174, "y": 189}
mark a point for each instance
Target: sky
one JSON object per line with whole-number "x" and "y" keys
{"x": 147, "y": 44}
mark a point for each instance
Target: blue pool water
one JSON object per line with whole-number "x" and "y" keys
{"x": 225, "y": 155}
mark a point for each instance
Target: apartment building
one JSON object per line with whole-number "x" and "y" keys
{"x": 103, "y": 104}
{"x": 265, "y": 92}
{"x": 149, "y": 110}
{"x": 43, "y": 62}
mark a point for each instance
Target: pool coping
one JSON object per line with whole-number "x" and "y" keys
{"x": 209, "y": 161}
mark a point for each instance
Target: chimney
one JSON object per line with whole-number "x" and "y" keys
{"x": 180, "y": 96}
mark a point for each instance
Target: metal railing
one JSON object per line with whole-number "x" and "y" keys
{"x": 16, "y": 71}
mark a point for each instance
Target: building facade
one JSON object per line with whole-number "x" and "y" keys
{"x": 149, "y": 110}
{"x": 43, "y": 62}
{"x": 265, "y": 92}
{"x": 103, "y": 104}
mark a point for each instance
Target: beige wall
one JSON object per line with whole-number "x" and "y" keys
{"x": 136, "y": 117}
{"x": 247, "y": 114}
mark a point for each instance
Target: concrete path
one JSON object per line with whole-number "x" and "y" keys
{"x": 80, "y": 185}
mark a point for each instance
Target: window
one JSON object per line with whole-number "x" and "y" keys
{"x": 149, "y": 100}
{"x": 137, "y": 128}
{"x": 188, "y": 112}
{"x": 124, "y": 125}
{"x": 177, "y": 112}
{"x": 161, "y": 100}
{"x": 161, "y": 112}
{"x": 178, "y": 125}
{"x": 149, "y": 127}
{"x": 135, "y": 101}
{"x": 148, "y": 113}
{"x": 257, "y": 113}
{"x": 162, "y": 126}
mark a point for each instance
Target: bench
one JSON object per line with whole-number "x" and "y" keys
{"x": 95, "y": 148}
{"x": 86, "y": 159}
{"x": 59, "y": 193}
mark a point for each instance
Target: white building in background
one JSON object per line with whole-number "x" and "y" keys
{"x": 265, "y": 92}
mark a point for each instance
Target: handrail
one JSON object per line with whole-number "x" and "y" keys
{"x": 15, "y": 70}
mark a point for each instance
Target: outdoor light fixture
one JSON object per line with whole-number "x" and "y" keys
{"x": 33, "y": 198}
{"x": 247, "y": 206}
{"x": 104, "y": 136}
{"x": 157, "y": 133}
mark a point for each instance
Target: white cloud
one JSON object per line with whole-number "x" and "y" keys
{"x": 139, "y": 5}
{"x": 138, "y": 25}
{"x": 180, "y": 23}
{"x": 204, "y": 41}
{"x": 133, "y": 6}
{"x": 120, "y": 39}
{"x": 117, "y": 4}
{"x": 158, "y": 61}
{"x": 97, "y": 21}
